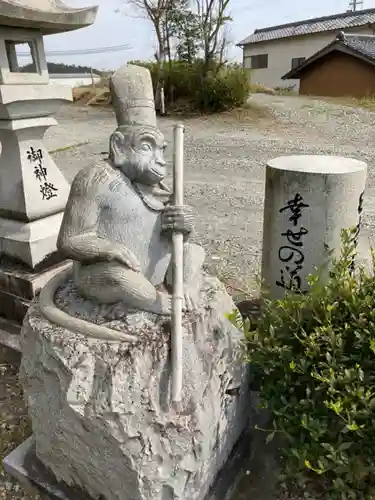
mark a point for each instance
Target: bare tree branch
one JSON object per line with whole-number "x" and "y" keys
{"x": 213, "y": 16}
{"x": 156, "y": 12}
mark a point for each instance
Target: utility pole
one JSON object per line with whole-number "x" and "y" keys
{"x": 355, "y": 5}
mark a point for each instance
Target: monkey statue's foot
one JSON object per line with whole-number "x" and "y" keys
{"x": 162, "y": 304}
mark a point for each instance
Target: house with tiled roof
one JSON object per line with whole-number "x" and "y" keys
{"x": 272, "y": 52}
{"x": 344, "y": 67}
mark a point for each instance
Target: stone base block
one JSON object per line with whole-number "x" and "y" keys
{"x": 13, "y": 307}
{"x": 18, "y": 287}
{"x": 10, "y": 334}
{"x": 101, "y": 410}
{"x": 24, "y": 466}
{"x": 17, "y": 280}
{"x": 30, "y": 243}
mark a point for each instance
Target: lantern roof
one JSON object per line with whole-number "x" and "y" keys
{"x": 46, "y": 16}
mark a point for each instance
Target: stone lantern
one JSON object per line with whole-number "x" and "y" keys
{"x": 33, "y": 191}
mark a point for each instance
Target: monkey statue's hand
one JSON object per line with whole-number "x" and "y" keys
{"x": 124, "y": 256}
{"x": 177, "y": 219}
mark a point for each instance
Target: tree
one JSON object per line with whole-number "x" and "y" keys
{"x": 201, "y": 30}
{"x": 59, "y": 68}
{"x": 156, "y": 11}
{"x": 198, "y": 32}
{"x": 213, "y": 18}
{"x": 184, "y": 28}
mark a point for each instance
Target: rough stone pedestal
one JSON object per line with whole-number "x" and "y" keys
{"x": 308, "y": 201}
{"x": 101, "y": 411}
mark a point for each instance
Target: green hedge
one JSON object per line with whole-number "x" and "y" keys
{"x": 219, "y": 89}
{"x": 316, "y": 357}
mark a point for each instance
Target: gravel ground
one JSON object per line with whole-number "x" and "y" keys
{"x": 224, "y": 181}
{"x": 225, "y": 160}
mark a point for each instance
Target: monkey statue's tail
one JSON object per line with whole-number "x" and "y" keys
{"x": 55, "y": 315}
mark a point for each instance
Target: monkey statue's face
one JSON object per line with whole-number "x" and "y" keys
{"x": 139, "y": 154}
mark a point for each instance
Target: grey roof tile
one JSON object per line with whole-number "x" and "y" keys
{"x": 363, "y": 44}
{"x": 309, "y": 26}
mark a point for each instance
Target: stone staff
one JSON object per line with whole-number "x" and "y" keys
{"x": 178, "y": 265}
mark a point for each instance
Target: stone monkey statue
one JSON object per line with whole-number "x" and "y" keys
{"x": 118, "y": 220}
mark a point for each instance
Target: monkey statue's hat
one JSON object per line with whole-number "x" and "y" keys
{"x": 133, "y": 97}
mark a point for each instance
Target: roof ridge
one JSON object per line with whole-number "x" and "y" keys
{"x": 357, "y": 35}
{"x": 315, "y": 19}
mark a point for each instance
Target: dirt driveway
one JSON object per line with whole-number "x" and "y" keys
{"x": 225, "y": 164}
{"x": 225, "y": 161}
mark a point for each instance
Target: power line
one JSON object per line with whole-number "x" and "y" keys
{"x": 355, "y": 5}
{"x": 80, "y": 52}
{"x": 255, "y": 7}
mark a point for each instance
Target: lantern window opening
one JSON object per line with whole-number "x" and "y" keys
{"x": 13, "y": 49}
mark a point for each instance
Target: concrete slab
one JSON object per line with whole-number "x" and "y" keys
{"x": 23, "y": 465}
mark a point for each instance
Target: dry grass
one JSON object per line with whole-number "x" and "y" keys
{"x": 355, "y": 102}
{"x": 92, "y": 96}
{"x": 14, "y": 421}
{"x": 250, "y": 112}
{"x": 363, "y": 102}
{"x": 100, "y": 96}
{"x": 367, "y": 102}
{"x": 258, "y": 88}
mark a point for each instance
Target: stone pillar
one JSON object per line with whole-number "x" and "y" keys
{"x": 33, "y": 191}
{"x": 308, "y": 201}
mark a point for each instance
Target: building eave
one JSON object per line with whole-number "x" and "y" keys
{"x": 336, "y": 45}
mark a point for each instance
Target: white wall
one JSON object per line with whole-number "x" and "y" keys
{"x": 73, "y": 82}
{"x": 281, "y": 52}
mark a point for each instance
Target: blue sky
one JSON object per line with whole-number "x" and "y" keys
{"x": 112, "y": 28}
